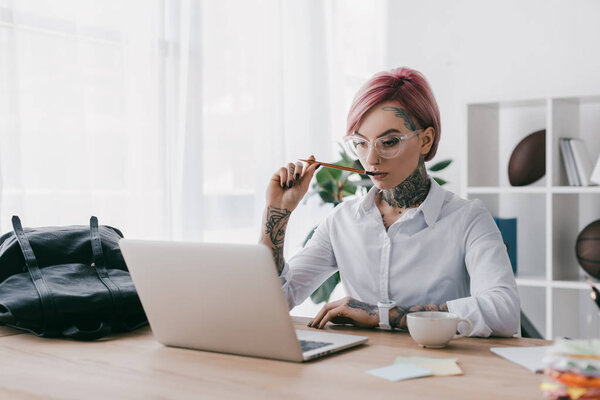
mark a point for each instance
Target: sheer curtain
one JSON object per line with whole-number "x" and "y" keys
{"x": 80, "y": 127}
{"x": 167, "y": 118}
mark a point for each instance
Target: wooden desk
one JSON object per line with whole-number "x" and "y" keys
{"x": 135, "y": 366}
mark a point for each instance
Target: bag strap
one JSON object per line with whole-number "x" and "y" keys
{"x": 48, "y": 307}
{"x": 99, "y": 265}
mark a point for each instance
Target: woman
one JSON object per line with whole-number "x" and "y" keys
{"x": 407, "y": 245}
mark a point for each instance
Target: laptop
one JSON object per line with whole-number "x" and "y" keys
{"x": 224, "y": 298}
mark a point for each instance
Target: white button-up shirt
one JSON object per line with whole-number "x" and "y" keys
{"x": 448, "y": 250}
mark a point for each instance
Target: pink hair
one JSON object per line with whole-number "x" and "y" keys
{"x": 410, "y": 89}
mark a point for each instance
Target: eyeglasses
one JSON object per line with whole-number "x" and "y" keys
{"x": 388, "y": 146}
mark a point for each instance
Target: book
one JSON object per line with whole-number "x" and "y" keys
{"x": 508, "y": 229}
{"x": 595, "y": 178}
{"x": 569, "y": 161}
{"x": 583, "y": 163}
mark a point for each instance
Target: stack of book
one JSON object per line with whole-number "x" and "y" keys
{"x": 577, "y": 162}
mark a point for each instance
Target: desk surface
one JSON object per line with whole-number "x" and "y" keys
{"x": 135, "y": 366}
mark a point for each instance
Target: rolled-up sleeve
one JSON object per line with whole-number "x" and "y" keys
{"x": 493, "y": 307}
{"x": 309, "y": 268}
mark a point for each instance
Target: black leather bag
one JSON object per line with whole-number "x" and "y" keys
{"x": 67, "y": 282}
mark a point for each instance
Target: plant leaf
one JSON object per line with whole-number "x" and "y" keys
{"x": 440, "y": 166}
{"x": 327, "y": 197}
{"x": 328, "y": 174}
{"x": 440, "y": 181}
{"x": 310, "y": 235}
{"x": 324, "y": 291}
{"x": 349, "y": 188}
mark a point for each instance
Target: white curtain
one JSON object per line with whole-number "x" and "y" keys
{"x": 80, "y": 123}
{"x": 167, "y": 118}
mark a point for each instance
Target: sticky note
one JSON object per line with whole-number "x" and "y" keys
{"x": 438, "y": 366}
{"x": 399, "y": 372}
{"x": 423, "y": 359}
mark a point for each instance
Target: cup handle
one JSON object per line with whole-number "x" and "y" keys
{"x": 459, "y": 335}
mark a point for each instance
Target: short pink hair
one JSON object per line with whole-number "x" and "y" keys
{"x": 410, "y": 89}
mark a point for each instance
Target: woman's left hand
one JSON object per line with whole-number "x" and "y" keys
{"x": 347, "y": 311}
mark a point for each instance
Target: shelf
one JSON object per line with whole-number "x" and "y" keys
{"x": 532, "y": 282}
{"x": 564, "y": 284}
{"x": 550, "y": 214}
{"x": 507, "y": 190}
{"x": 575, "y": 189}
{"x": 533, "y": 189}
{"x": 580, "y": 285}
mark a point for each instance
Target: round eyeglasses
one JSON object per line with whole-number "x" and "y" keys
{"x": 388, "y": 146}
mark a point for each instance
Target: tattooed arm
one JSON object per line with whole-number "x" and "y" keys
{"x": 398, "y": 314}
{"x": 364, "y": 315}
{"x": 286, "y": 188}
{"x": 273, "y": 234}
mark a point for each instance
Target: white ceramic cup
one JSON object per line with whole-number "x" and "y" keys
{"x": 435, "y": 329}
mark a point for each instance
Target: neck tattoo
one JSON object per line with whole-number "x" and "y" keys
{"x": 411, "y": 192}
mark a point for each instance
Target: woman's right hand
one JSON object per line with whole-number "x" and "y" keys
{"x": 289, "y": 185}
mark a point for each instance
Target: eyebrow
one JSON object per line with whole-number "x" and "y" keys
{"x": 383, "y": 134}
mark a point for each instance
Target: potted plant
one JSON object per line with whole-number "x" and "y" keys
{"x": 333, "y": 185}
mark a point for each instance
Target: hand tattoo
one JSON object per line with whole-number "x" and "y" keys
{"x": 369, "y": 308}
{"x": 412, "y": 191}
{"x": 276, "y": 220}
{"x": 398, "y": 314}
{"x": 400, "y": 113}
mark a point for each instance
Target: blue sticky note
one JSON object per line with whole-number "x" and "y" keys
{"x": 399, "y": 372}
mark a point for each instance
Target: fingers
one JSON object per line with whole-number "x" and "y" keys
{"x": 331, "y": 314}
{"x": 293, "y": 173}
{"x": 321, "y": 314}
{"x": 315, "y": 322}
{"x": 309, "y": 171}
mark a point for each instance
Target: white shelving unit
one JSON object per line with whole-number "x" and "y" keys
{"x": 550, "y": 214}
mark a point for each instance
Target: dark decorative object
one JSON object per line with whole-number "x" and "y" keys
{"x": 587, "y": 249}
{"x": 528, "y": 160}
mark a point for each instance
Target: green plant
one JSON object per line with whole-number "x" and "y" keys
{"x": 333, "y": 185}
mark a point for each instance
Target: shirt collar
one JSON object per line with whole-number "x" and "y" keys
{"x": 430, "y": 208}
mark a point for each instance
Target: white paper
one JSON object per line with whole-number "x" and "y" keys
{"x": 399, "y": 372}
{"x": 527, "y": 357}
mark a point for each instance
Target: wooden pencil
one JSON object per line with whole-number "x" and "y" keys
{"x": 360, "y": 171}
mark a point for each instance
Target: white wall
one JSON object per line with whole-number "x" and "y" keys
{"x": 476, "y": 50}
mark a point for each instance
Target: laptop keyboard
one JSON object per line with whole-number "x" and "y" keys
{"x": 308, "y": 345}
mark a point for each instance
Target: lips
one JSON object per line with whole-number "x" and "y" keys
{"x": 379, "y": 175}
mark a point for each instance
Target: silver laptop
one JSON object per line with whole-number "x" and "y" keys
{"x": 221, "y": 297}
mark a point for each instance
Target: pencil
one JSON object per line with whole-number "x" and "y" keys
{"x": 360, "y": 171}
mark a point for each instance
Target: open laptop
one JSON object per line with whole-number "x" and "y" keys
{"x": 221, "y": 297}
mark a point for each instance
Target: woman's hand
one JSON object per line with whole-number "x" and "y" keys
{"x": 289, "y": 185}
{"x": 347, "y": 311}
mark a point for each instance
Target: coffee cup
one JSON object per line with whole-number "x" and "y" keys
{"x": 435, "y": 329}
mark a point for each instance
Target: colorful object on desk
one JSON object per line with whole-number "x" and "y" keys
{"x": 360, "y": 171}
{"x": 572, "y": 368}
{"x": 587, "y": 249}
{"x": 527, "y": 162}
{"x": 508, "y": 229}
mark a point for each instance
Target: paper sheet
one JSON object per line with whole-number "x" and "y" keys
{"x": 399, "y": 372}
{"x": 527, "y": 357}
{"x": 439, "y": 366}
